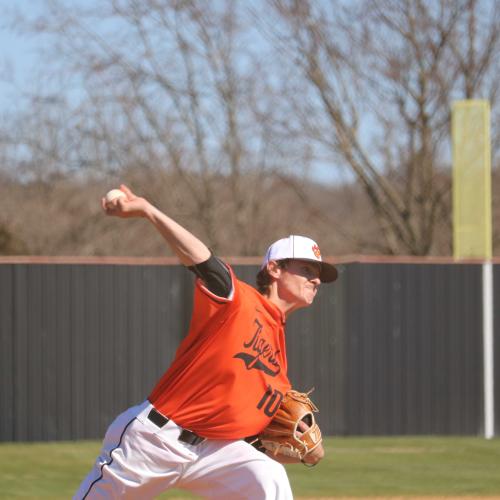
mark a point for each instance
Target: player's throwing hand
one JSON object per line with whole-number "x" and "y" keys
{"x": 126, "y": 206}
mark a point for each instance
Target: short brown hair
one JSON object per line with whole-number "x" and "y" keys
{"x": 264, "y": 279}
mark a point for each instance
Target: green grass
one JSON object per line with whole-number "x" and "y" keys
{"x": 360, "y": 467}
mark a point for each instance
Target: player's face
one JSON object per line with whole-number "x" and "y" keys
{"x": 299, "y": 282}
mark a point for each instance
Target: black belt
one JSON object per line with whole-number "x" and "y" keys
{"x": 185, "y": 436}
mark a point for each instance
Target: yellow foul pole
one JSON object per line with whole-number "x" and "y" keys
{"x": 472, "y": 220}
{"x": 471, "y": 179}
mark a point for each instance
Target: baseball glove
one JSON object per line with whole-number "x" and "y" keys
{"x": 283, "y": 434}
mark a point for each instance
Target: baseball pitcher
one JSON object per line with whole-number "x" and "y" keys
{"x": 223, "y": 417}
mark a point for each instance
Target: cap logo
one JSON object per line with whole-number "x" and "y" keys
{"x": 316, "y": 251}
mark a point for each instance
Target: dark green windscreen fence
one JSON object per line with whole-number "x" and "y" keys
{"x": 391, "y": 349}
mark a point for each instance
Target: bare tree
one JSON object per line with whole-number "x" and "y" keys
{"x": 172, "y": 85}
{"x": 228, "y": 128}
{"x": 378, "y": 78}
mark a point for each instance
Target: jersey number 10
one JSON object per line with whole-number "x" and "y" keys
{"x": 270, "y": 401}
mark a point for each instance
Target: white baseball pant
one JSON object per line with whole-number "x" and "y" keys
{"x": 140, "y": 460}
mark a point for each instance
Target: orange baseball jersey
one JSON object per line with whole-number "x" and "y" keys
{"x": 229, "y": 374}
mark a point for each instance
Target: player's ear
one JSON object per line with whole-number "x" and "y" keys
{"x": 274, "y": 269}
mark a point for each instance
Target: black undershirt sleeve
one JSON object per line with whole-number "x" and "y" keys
{"x": 215, "y": 275}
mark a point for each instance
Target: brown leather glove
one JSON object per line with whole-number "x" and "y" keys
{"x": 283, "y": 436}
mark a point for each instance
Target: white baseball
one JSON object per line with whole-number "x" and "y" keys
{"x": 113, "y": 195}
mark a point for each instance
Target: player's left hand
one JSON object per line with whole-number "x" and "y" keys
{"x": 311, "y": 458}
{"x": 315, "y": 455}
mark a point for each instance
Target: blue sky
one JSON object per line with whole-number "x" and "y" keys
{"x": 17, "y": 53}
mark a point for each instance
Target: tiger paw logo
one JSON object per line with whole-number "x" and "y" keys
{"x": 260, "y": 354}
{"x": 316, "y": 251}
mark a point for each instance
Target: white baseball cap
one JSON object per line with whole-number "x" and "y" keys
{"x": 302, "y": 248}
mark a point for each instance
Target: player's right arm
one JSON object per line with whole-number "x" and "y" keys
{"x": 189, "y": 249}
